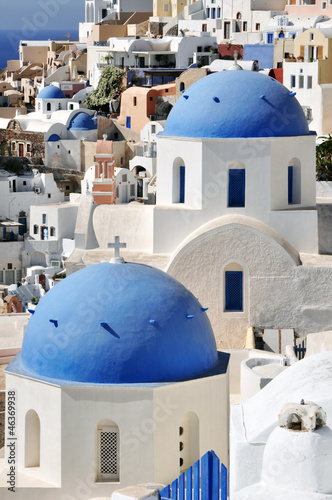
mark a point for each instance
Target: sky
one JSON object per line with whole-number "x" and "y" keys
{"x": 32, "y": 15}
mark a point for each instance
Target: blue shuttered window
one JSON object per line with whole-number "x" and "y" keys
{"x": 182, "y": 183}
{"x": 234, "y": 290}
{"x": 236, "y": 187}
{"x": 128, "y": 122}
{"x": 290, "y": 184}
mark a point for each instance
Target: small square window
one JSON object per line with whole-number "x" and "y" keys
{"x": 116, "y": 135}
{"x": 24, "y": 183}
{"x": 166, "y": 90}
{"x": 151, "y": 98}
{"x": 69, "y": 151}
{"x": 49, "y": 195}
{"x": 9, "y": 266}
{"x": 67, "y": 188}
{"x": 258, "y": 26}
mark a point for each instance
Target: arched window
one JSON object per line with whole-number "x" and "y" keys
{"x": 179, "y": 181}
{"x": 188, "y": 440}
{"x": 236, "y": 187}
{"x": 238, "y": 16}
{"x": 48, "y": 106}
{"x": 233, "y": 293}
{"x": 32, "y": 439}
{"x": 294, "y": 181}
{"x": 108, "y": 446}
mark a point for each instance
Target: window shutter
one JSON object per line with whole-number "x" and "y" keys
{"x": 320, "y": 52}
{"x": 290, "y": 185}
{"x": 182, "y": 183}
{"x": 233, "y": 290}
{"x": 108, "y": 453}
{"x": 236, "y": 188}
{"x": 302, "y": 51}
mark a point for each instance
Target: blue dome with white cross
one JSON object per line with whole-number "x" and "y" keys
{"x": 236, "y": 104}
{"x": 116, "y": 323}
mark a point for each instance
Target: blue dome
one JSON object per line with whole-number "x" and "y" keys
{"x": 236, "y": 104}
{"x": 51, "y": 92}
{"x": 118, "y": 323}
{"x": 83, "y": 121}
{"x": 53, "y": 138}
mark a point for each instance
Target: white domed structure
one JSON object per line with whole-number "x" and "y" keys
{"x": 115, "y": 360}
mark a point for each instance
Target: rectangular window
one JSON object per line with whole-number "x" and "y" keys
{"x": 128, "y": 122}
{"x": 182, "y": 184}
{"x": 1, "y": 276}
{"x": 301, "y": 81}
{"x": 236, "y": 188}
{"x": 258, "y": 26}
{"x": 204, "y": 27}
{"x": 290, "y": 184}
{"x": 245, "y": 26}
{"x": 227, "y": 30}
{"x": 292, "y": 81}
{"x": 24, "y": 183}
{"x": 52, "y": 231}
{"x": 9, "y": 266}
{"x": 108, "y": 467}
{"x": 207, "y": 12}
{"x": 124, "y": 178}
{"x": 270, "y": 38}
{"x": 19, "y": 275}
{"x": 35, "y": 229}
{"x": 44, "y": 218}
{"x": 309, "y": 82}
{"x": 233, "y": 291}
{"x": 153, "y": 129}
{"x": 135, "y": 101}
{"x": 165, "y": 7}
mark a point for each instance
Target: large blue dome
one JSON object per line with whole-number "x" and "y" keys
{"x": 236, "y": 104}
{"x": 83, "y": 121}
{"x": 51, "y": 92}
{"x": 118, "y": 323}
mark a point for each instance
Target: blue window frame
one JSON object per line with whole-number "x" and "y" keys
{"x": 213, "y": 13}
{"x": 234, "y": 290}
{"x": 128, "y": 122}
{"x": 290, "y": 184}
{"x": 236, "y": 187}
{"x": 270, "y": 38}
{"x": 182, "y": 183}
{"x": 207, "y": 12}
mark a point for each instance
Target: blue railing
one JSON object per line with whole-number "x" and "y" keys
{"x": 205, "y": 480}
{"x": 300, "y": 349}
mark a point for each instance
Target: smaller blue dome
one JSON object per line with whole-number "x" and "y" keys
{"x": 83, "y": 121}
{"x": 51, "y": 92}
{"x": 53, "y": 138}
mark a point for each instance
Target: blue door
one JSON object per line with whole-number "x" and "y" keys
{"x": 233, "y": 290}
{"x": 236, "y": 187}
{"x": 128, "y": 122}
{"x": 182, "y": 183}
{"x": 290, "y": 184}
{"x": 22, "y": 229}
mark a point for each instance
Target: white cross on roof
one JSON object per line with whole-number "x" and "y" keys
{"x": 117, "y": 245}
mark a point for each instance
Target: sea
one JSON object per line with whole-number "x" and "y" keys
{"x": 10, "y": 39}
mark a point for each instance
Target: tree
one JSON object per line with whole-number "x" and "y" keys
{"x": 324, "y": 159}
{"x": 109, "y": 88}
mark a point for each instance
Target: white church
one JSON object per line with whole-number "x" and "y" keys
{"x": 235, "y": 219}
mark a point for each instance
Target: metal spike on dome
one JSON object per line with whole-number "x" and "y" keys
{"x": 55, "y": 322}
{"x": 152, "y": 321}
{"x": 190, "y": 316}
{"x": 262, "y": 96}
{"x": 292, "y": 94}
{"x": 204, "y": 309}
{"x": 216, "y": 99}
{"x": 186, "y": 96}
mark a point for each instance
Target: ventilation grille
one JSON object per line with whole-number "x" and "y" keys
{"x": 108, "y": 453}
